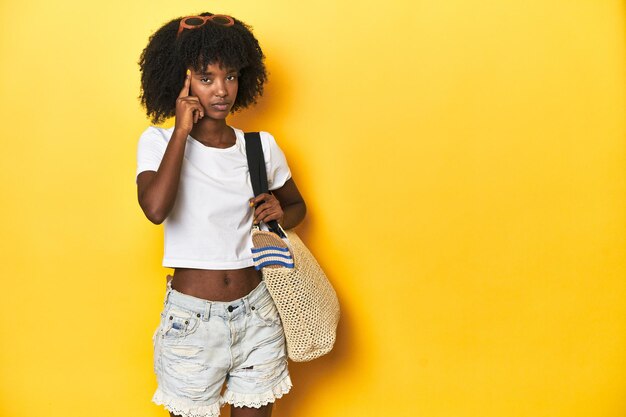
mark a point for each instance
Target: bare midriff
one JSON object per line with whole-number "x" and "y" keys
{"x": 216, "y": 285}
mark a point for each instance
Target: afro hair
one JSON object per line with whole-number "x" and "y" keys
{"x": 165, "y": 59}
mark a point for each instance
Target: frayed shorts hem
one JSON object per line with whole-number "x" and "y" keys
{"x": 185, "y": 408}
{"x": 238, "y": 399}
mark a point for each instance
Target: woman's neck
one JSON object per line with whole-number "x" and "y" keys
{"x": 213, "y": 133}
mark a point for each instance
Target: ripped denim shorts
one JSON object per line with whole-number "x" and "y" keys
{"x": 201, "y": 344}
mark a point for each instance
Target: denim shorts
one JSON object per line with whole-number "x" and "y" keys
{"x": 201, "y": 344}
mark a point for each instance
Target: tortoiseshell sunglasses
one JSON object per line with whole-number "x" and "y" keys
{"x": 194, "y": 22}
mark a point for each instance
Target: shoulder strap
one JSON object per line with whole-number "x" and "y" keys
{"x": 258, "y": 175}
{"x": 256, "y": 162}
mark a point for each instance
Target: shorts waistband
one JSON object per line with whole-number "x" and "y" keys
{"x": 257, "y": 298}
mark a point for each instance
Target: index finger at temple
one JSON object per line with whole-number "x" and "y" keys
{"x": 184, "y": 92}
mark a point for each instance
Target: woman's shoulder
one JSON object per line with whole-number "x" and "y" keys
{"x": 267, "y": 139}
{"x": 268, "y": 143}
{"x": 155, "y": 136}
{"x": 156, "y": 131}
{"x": 264, "y": 134}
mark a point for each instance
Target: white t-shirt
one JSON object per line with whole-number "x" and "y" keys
{"x": 209, "y": 225}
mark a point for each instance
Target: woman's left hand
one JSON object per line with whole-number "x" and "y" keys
{"x": 267, "y": 208}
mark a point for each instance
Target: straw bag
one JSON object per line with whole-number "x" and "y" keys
{"x": 305, "y": 299}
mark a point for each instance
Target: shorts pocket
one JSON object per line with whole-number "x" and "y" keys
{"x": 267, "y": 313}
{"x": 179, "y": 322}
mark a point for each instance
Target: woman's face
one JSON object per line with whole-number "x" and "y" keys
{"x": 216, "y": 88}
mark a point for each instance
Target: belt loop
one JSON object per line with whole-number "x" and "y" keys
{"x": 246, "y": 305}
{"x": 207, "y": 310}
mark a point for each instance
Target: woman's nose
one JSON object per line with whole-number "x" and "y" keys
{"x": 220, "y": 89}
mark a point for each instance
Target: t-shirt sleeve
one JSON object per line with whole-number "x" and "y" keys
{"x": 150, "y": 150}
{"x": 278, "y": 171}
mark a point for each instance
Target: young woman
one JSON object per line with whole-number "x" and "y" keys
{"x": 219, "y": 324}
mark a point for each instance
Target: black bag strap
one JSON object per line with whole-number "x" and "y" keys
{"x": 256, "y": 162}
{"x": 258, "y": 175}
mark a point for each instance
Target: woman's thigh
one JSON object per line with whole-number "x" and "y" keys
{"x": 265, "y": 411}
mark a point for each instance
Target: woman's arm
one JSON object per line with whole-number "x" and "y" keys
{"x": 156, "y": 190}
{"x": 284, "y": 204}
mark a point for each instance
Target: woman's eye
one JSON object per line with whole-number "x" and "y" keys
{"x": 203, "y": 79}
{"x": 231, "y": 77}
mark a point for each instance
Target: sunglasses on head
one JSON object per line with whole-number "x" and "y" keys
{"x": 194, "y": 22}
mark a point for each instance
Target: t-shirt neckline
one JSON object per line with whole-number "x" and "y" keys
{"x": 201, "y": 145}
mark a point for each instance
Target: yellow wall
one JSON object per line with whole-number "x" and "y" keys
{"x": 464, "y": 166}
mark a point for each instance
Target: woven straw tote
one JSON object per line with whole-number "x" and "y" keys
{"x": 305, "y": 299}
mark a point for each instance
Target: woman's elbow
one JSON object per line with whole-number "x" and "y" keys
{"x": 155, "y": 214}
{"x": 155, "y": 218}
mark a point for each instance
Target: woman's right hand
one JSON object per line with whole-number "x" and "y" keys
{"x": 188, "y": 108}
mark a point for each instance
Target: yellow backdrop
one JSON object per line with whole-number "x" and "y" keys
{"x": 463, "y": 162}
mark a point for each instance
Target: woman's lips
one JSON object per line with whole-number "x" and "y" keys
{"x": 220, "y": 106}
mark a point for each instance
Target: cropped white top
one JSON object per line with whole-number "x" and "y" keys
{"x": 209, "y": 225}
